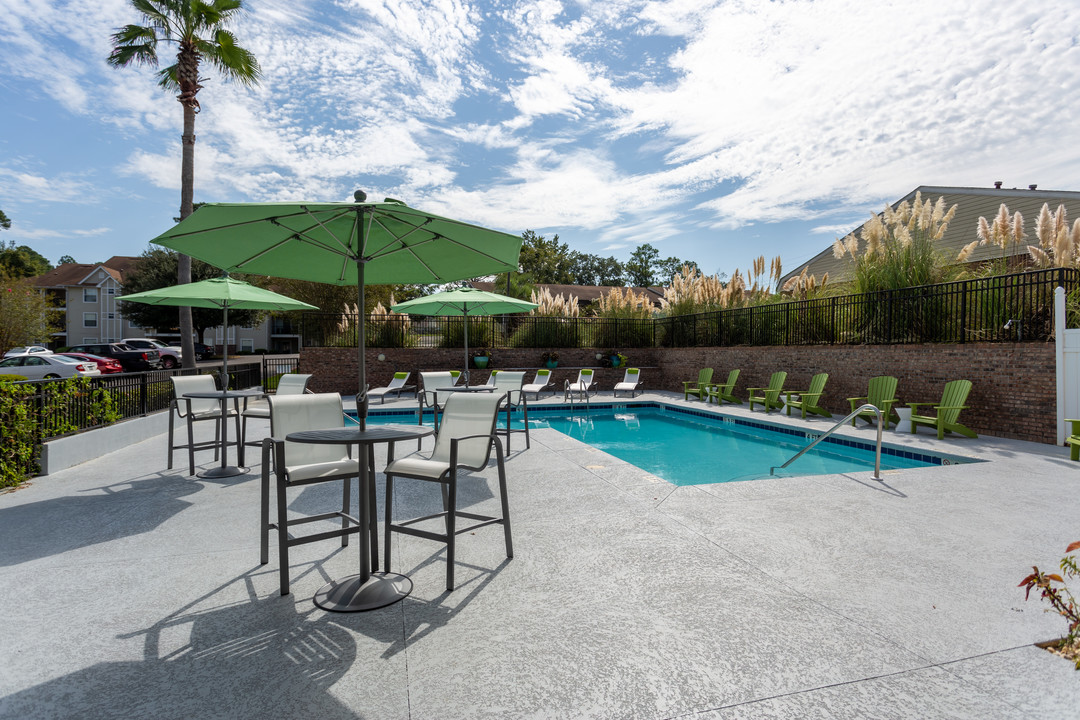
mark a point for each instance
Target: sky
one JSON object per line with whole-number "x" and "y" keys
{"x": 714, "y": 131}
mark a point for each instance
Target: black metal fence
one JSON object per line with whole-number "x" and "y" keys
{"x": 1005, "y": 308}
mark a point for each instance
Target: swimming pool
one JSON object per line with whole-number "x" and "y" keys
{"x": 687, "y": 447}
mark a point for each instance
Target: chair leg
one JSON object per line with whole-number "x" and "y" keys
{"x": 388, "y": 516}
{"x": 172, "y": 417}
{"x": 505, "y": 501}
{"x": 346, "y": 501}
{"x": 525, "y": 418}
{"x": 239, "y": 437}
{"x": 451, "y": 527}
{"x": 283, "y": 532}
{"x": 264, "y": 508}
{"x": 191, "y": 445}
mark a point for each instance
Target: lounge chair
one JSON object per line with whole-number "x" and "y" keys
{"x": 510, "y": 384}
{"x": 288, "y": 384}
{"x": 631, "y": 380}
{"x": 582, "y": 386}
{"x": 881, "y": 393}
{"x": 770, "y": 396}
{"x": 724, "y": 391}
{"x": 464, "y": 441}
{"x": 396, "y": 387}
{"x": 946, "y": 412}
{"x": 1073, "y": 441}
{"x": 698, "y": 387}
{"x": 542, "y": 381}
{"x": 808, "y": 400}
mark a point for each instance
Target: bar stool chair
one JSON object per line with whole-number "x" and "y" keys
{"x": 511, "y": 384}
{"x": 193, "y": 410}
{"x": 288, "y": 384}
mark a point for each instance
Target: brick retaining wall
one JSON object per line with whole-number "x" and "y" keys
{"x": 1013, "y": 395}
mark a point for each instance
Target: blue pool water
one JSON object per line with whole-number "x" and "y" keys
{"x": 689, "y": 448}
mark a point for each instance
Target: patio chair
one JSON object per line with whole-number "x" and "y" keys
{"x": 881, "y": 393}
{"x": 464, "y": 442}
{"x": 946, "y": 412}
{"x": 428, "y": 395}
{"x": 698, "y": 387}
{"x": 724, "y": 391}
{"x": 288, "y": 384}
{"x": 631, "y": 380}
{"x": 396, "y": 387}
{"x": 542, "y": 381}
{"x": 1073, "y": 441}
{"x": 510, "y": 384}
{"x": 192, "y": 410}
{"x": 582, "y": 386}
{"x": 808, "y": 401}
{"x": 300, "y": 464}
{"x": 770, "y": 396}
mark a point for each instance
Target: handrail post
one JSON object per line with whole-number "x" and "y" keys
{"x": 859, "y": 410}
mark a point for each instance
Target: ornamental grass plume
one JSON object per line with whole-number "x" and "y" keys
{"x": 1005, "y": 231}
{"x": 805, "y": 286}
{"x": 692, "y": 292}
{"x": 549, "y": 305}
{"x": 1059, "y": 245}
{"x": 624, "y": 303}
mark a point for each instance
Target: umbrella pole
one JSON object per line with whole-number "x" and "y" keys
{"x": 361, "y": 389}
{"x": 465, "y": 319}
{"x": 224, "y": 347}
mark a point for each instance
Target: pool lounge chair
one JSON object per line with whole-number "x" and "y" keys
{"x": 631, "y": 380}
{"x": 396, "y": 386}
{"x": 542, "y": 381}
{"x": 770, "y": 396}
{"x": 808, "y": 400}
{"x": 583, "y": 386}
{"x": 946, "y": 412}
{"x": 698, "y": 387}
{"x": 724, "y": 391}
{"x": 881, "y": 393}
{"x": 1073, "y": 441}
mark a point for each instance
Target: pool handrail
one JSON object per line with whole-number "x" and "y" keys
{"x": 877, "y": 453}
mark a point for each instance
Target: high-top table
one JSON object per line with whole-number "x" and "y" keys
{"x": 367, "y": 590}
{"x": 226, "y": 470}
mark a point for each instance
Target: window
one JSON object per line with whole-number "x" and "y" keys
{"x": 89, "y": 319}
{"x": 111, "y": 316}
{"x": 89, "y": 340}
{"x": 111, "y": 291}
{"x": 247, "y": 344}
{"x": 89, "y": 295}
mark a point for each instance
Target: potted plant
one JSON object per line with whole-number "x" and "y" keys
{"x": 617, "y": 358}
{"x": 550, "y": 359}
{"x": 481, "y": 358}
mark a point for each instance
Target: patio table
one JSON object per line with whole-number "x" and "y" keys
{"x": 366, "y": 590}
{"x": 226, "y": 470}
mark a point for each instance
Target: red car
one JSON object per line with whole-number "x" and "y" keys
{"x": 104, "y": 364}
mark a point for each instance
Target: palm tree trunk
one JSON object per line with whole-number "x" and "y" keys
{"x": 187, "y": 197}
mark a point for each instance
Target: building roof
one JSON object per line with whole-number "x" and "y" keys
{"x": 971, "y": 204}
{"x": 586, "y": 294}
{"x": 76, "y": 274}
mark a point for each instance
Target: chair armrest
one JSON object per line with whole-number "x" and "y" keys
{"x": 915, "y": 405}
{"x": 809, "y": 397}
{"x": 857, "y": 399}
{"x": 176, "y": 406}
{"x": 750, "y": 390}
{"x": 950, "y": 407}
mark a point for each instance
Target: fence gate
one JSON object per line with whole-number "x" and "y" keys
{"x": 1068, "y": 367}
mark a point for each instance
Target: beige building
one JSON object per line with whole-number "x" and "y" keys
{"x": 87, "y": 295}
{"x": 971, "y": 204}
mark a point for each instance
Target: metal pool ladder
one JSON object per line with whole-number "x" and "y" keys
{"x": 834, "y": 428}
{"x": 568, "y": 393}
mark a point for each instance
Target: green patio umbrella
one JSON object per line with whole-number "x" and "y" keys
{"x": 225, "y": 293}
{"x": 464, "y": 302}
{"x": 343, "y": 244}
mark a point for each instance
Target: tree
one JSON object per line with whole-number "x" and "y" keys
{"x": 520, "y": 287}
{"x": 21, "y": 261}
{"x": 65, "y": 260}
{"x": 545, "y": 261}
{"x": 595, "y": 270}
{"x": 672, "y": 266}
{"x": 199, "y": 30}
{"x": 25, "y": 317}
{"x": 5, "y": 223}
{"x": 640, "y": 266}
{"x": 157, "y": 269}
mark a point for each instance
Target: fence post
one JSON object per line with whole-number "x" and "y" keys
{"x": 144, "y": 399}
{"x": 963, "y": 311}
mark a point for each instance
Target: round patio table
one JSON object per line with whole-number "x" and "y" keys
{"x": 365, "y": 590}
{"x": 225, "y": 469}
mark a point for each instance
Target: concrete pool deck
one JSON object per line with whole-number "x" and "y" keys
{"x": 134, "y": 591}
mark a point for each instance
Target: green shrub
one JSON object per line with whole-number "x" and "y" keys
{"x": 547, "y": 332}
{"x": 482, "y": 333}
{"x": 19, "y": 448}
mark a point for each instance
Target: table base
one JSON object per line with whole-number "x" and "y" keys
{"x": 349, "y": 595}
{"x": 223, "y": 472}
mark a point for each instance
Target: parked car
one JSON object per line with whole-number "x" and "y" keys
{"x": 204, "y": 351}
{"x": 40, "y": 366}
{"x": 107, "y": 366}
{"x": 171, "y": 356}
{"x": 131, "y": 358}
{"x": 27, "y": 350}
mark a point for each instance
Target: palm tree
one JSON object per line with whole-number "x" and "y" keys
{"x": 198, "y": 29}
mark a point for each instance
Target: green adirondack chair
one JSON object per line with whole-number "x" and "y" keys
{"x": 808, "y": 400}
{"x": 947, "y": 411}
{"x": 1073, "y": 441}
{"x": 725, "y": 391}
{"x": 881, "y": 393}
{"x": 699, "y": 387}
{"x": 770, "y": 396}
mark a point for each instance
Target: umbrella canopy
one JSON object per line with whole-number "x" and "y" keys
{"x": 342, "y": 244}
{"x": 465, "y": 302}
{"x": 224, "y": 293}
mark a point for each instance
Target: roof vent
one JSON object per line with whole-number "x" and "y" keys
{"x": 1032, "y": 187}
{"x": 997, "y": 184}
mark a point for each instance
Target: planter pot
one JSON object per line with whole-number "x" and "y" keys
{"x": 614, "y": 361}
{"x": 481, "y": 361}
{"x": 551, "y": 364}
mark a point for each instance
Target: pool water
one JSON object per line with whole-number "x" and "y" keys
{"x": 696, "y": 449}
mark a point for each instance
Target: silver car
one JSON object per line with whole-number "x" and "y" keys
{"x": 27, "y": 350}
{"x": 41, "y": 366}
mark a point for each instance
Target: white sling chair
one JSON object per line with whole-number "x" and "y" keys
{"x": 396, "y": 387}
{"x": 542, "y": 381}
{"x": 629, "y": 383}
{"x": 288, "y": 384}
{"x": 510, "y": 384}
{"x": 583, "y": 385}
{"x": 193, "y": 410}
